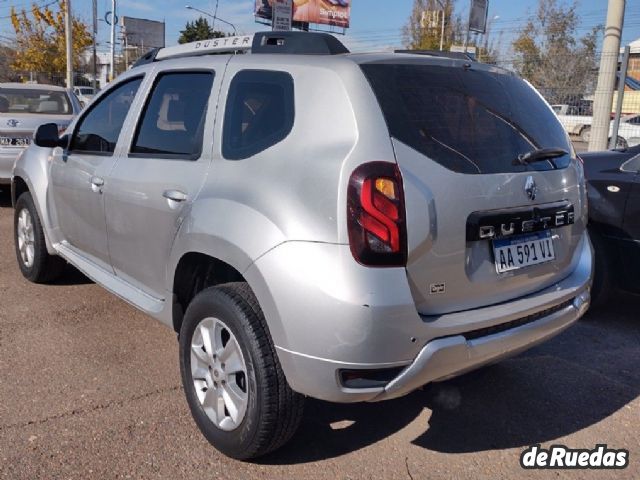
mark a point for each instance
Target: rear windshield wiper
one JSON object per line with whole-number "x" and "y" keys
{"x": 539, "y": 155}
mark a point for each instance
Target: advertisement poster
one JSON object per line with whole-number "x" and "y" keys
{"x": 321, "y": 12}
{"x": 282, "y": 14}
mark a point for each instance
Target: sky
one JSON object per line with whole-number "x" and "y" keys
{"x": 376, "y": 24}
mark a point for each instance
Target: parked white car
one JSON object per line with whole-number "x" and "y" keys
{"x": 630, "y": 129}
{"x": 84, "y": 94}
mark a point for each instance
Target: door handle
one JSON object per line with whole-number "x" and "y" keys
{"x": 175, "y": 195}
{"x": 96, "y": 184}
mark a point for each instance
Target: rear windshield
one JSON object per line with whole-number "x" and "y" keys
{"x": 31, "y": 100}
{"x": 467, "y": 120}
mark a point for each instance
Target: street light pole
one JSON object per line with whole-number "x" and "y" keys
{"x": 444, "y": 13}
{"x": 69, "y": 40}
{"x": 113, "y": 40}
{"x": 94, "y": 84}
{"x": 215, "y": 14}
{"x": 603, "y": 98}
{"x": 189, "y": 7}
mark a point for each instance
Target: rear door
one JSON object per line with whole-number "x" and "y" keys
{"x": 483, "y": 227}
{"x": 152, "y": 186}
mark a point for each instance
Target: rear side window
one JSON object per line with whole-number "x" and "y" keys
{"x": 468, "y": 120}
{"x": 259, "y": 112}
{"x": 99, "y": 129}
{"x": 173, "y": 118}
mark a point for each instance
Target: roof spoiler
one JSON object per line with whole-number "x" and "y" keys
{"x": 439, "y": 53}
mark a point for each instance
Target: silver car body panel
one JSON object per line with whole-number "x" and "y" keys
{"x": 279, "y": 218}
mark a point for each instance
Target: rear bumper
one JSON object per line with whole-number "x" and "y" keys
{"x": 320, "y": 329}
{"x": 451, "y": 356}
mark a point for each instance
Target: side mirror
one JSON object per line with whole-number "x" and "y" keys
{"x": 47, "y": 136}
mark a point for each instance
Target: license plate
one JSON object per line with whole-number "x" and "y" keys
{"x": 523, "y": 251}
{"x": 15, "y": 142}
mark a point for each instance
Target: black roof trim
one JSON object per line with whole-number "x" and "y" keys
{"x": 148, "y": 57}
{"x": 301, "y": 43}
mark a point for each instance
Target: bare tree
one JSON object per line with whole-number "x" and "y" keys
{"x": 552, "y": 57}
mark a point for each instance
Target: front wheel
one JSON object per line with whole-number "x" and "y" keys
{"x": 232, "y": 378}
{"x": 34, "y": 261}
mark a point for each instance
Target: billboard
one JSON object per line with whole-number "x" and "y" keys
{"x": 322, "y": 12}
{"x": 478, "y": 15}
{"x": 143, "y": 33}
{"x": 282, "y": 15}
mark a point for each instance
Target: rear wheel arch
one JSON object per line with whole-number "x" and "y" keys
{"x": 194, "y": 273}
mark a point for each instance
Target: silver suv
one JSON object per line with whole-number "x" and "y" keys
{"x": 313, "y": 222}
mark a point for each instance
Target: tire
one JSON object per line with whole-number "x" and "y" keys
{"x": 34, "y": 261}
{"x": 585, "y": 134}
{"x": 272, "y": 410}
{"x": 603, "y": 287}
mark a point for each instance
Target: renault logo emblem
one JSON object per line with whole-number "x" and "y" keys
{"x": 531, "y": 188}
{"x": 12, "y": 122}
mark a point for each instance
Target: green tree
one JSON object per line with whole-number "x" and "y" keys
{"x": 199, "y": 30}
{"x": 40, "y": 38}
{"x": 550, "y": 54}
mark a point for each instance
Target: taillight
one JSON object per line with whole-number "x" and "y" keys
{"x": 376, "y": 215}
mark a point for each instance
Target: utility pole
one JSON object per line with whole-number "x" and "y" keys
{"x": 603, "y": 98}
{"x": 613, "y": 142}
{"x": 443, "y": 6}
{"x": 69, "y": 41}
{"x": 113, "y": 40}
{"x": 94, "y": 84}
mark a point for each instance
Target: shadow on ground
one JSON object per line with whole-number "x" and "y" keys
{"x": 5, "y": 196}
{"x": 568, "y": 384}
{"x": 72, "y": 276}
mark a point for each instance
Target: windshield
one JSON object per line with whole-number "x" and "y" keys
{"x": 32, "y": 100}
{"x": 468, "y": 120}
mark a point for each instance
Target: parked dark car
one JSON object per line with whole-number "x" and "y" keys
{"x": 613, "y": 179}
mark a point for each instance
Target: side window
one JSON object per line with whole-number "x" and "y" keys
{"x": 259, "y": 112}
{"x": 99, "y": 130}
{"x": 173, "y": 118}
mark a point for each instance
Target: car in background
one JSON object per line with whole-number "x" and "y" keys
{"x": 613, "y": 179}
{"x": 24, "y": 107}
{"x": 84, "y": 94}
{"x": 630, "y": 130}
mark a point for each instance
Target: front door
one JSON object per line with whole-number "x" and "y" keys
{"x": 77, "y": 175}
{"x": 152, "y": 186}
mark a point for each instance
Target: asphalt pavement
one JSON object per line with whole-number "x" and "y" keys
{"x": 90, "y": 389}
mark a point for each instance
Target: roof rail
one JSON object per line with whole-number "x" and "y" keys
{"x": 300, "y": 43}
{"x": 440, "y": 53}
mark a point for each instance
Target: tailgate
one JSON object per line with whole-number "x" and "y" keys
{"x": 483, "y": 226}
